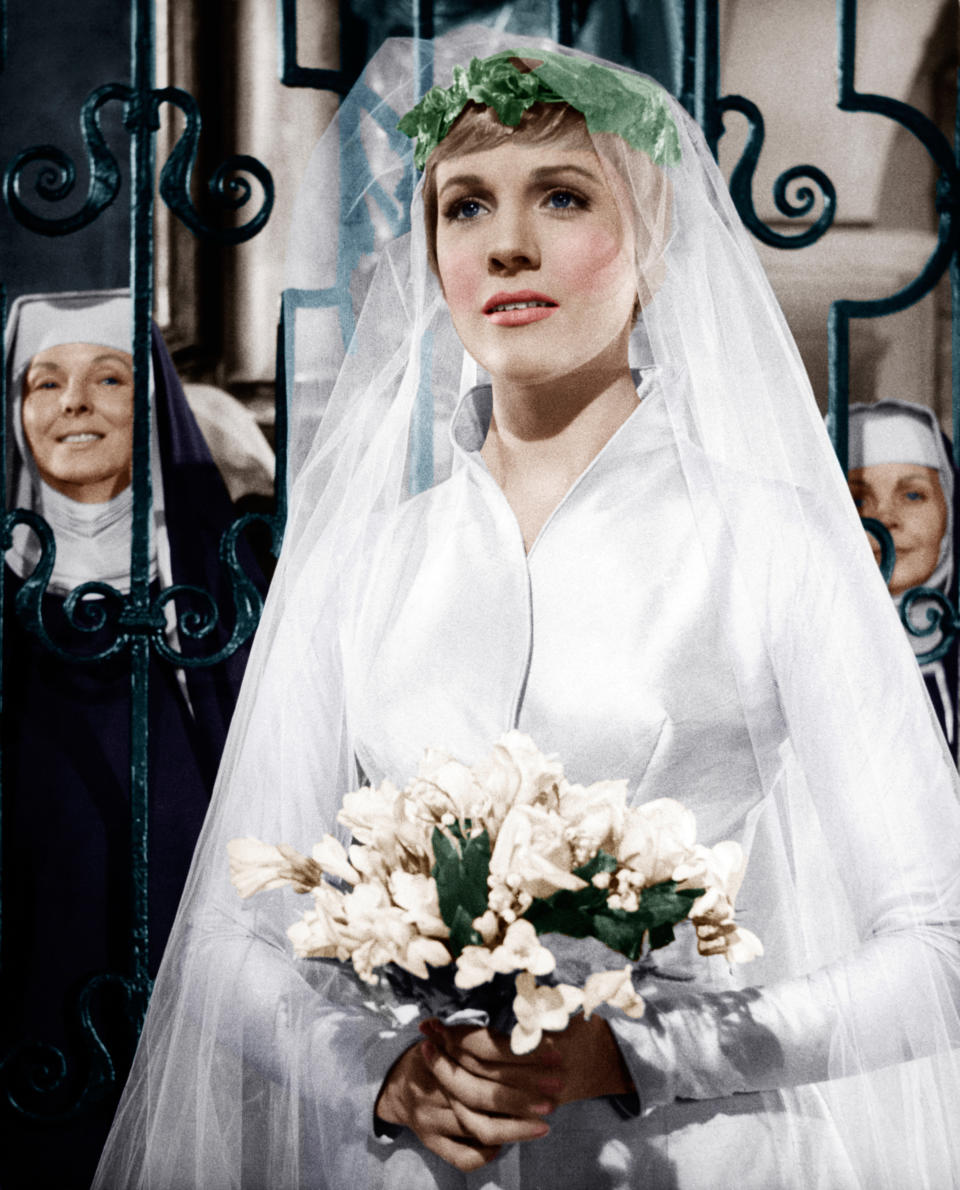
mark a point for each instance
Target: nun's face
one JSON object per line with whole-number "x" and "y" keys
{"x": 908, "y": 500}
{"x": 78, "y": 419}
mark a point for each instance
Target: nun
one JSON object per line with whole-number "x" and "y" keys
{"x": 901, "y": 474}
{"x": 66, "y": 723}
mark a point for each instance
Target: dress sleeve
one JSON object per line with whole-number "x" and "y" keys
{"x": 867, "y": 833}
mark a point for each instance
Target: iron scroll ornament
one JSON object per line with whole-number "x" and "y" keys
{"x": 941, "y": 615}
{"x": 34, "y": 1072}
{"x": 93, "y": 606}
{"x": 741, "y": 185}
{"x": 57, "y": 176}
{"x": 700, "y": 95}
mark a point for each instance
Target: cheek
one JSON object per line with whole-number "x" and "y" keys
{"x": 928, "y": 524}
{"x": 120, "y": 411}
{"x": 33, "y": 418}
{"x": 592, "y": 262}
{"x": 462, "y": 274}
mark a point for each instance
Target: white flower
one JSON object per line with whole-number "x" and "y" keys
{"x": 539, "y": 1008}
{"x": 331, "y": 855}
{"x": 519, "y": 951}
{"x": 743, "y": 947}
{"x": 476, "y": 965}
{"x": 315, "y": 936}
{"x": 445, "y": 786}
{"x": 658, "y": 837}
{"x": 614, "y": 988}
{"x": 256, "y": 867}
{"x": 368, "y": 813}
{"x": 517, "y": 773}
{"x": 532, "y": 854}
{"x": 594, "y": 817}
{"x": 417, "y": 896}
{"x": 487, "y": 926}
{"x": 420, "y": 951}
{"x": 713, "y": 913}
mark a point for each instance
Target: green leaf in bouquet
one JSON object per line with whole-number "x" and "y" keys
{"x": 460, "y": 869}
{"x": 601, "y": 862}
{"x": 572, "y": 913}
{"x": 660, "y": 908}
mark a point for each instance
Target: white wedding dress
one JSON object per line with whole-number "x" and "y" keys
{"x": 609, "y": 643}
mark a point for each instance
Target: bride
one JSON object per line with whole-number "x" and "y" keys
{"x": 569, "y": 477}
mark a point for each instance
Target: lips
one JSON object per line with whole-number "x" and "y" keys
{"x": 518, "y": 308}
{"x": 80, "y": 436}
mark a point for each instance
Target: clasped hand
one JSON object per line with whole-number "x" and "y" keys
{"x": 466, "y": 1094}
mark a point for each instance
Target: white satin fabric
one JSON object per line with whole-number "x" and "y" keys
{"x": 610, "y": 644}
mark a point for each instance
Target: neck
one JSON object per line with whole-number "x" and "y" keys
{"x": 543, "y": 435}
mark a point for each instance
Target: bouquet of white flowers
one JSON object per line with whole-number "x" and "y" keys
{"x": 451, "y": 881}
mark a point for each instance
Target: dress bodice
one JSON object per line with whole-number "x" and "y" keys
{"x": 609, "y": 643}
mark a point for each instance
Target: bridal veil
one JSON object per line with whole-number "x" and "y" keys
{"x": 259, "y": 1070}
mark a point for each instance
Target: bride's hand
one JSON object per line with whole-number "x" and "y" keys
{"x": 582, "y": 1062}
{"x": 466, "y": 1124}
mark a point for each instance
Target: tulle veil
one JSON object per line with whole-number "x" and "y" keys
{"x": 256, "y": 1069}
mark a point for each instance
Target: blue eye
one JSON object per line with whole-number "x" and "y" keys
{"x": 915, "y": 495}
{"x": 110, "y": 380}
{"x": 565, "y": 200}
{"x": 466, "y": 209}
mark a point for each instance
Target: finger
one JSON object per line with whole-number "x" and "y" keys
{"x": 541, "y": 1082}
{"x": 487, "y": 1045}
{"x": 461, "y": 1154}
{"x": 542, "y": 1088}
{"x": 494, "y": 1131}
{"x": 488, "y": 1096}
{"x": 441, "y": 1132}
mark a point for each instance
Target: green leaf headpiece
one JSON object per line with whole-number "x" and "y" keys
{"x": 634, "y": 108}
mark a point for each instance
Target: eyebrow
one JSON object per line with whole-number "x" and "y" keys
{"x": 541, "y": 173}
{"x": 51, "y": 365}
{"x": 910, "y": 477}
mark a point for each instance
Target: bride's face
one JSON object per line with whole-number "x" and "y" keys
{"x": 78, "y": 419}
{"x": 535, "y": 262}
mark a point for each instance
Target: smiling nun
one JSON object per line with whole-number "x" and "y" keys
{"x": 901, "y": 474}
{"x": 66, "y": 725}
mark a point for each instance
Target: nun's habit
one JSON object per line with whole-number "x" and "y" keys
{"x": 66, "y": 737}
{"x": 892, "y": 431}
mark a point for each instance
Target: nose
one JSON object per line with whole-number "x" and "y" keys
{"x": 74, "y": 397}
{"x": 888, "y": 512}
{"x": 514, "y": 247}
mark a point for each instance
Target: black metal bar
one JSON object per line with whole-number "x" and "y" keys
{"x": 292, "y": 74}
{"x": 688, "y": 65}
{"x": 4, "y": 542}
{"x": 955, "y": 302}
{"x": 561, "y": 21}
{"x": 142, "y": 125}
{"x": 708, "y": 72}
